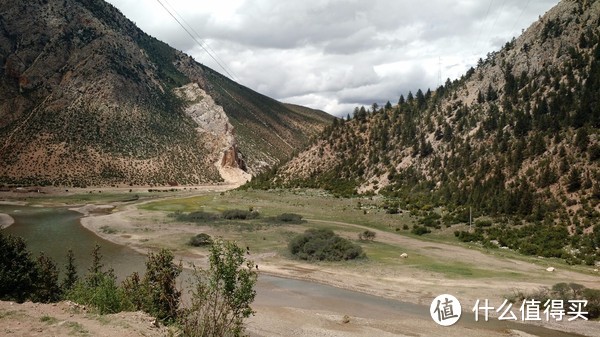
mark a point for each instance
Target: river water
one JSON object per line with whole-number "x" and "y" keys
{"x": 55, "y": 230}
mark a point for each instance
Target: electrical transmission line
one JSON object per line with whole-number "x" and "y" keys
{"x": 214, "y": 57}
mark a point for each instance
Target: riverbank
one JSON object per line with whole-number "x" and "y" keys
{"x": 6, "y": 220}
{"x": 143, "y": 230}
{"x": 430, "y": 268}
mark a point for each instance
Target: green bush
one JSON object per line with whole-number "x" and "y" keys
{"x": 103, "y": 294}
{"x": 200, "y": 240}
{"x": 323, "y": 245}
{"x": 289, "y": 218}
{"x": 221, "y": 295}
{"x": 466, "y": 236}
{"x": 99, "y": 289}
{"x": 420, "y": 230}
{"x": 367, "y": 235}
{"x": 238, "y": 214}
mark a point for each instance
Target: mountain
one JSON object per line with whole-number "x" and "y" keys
{"x": 518, "y": 135}
{"x": 90, "y": 99}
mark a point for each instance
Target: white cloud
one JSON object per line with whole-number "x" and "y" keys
{"x": 336, "y": 54}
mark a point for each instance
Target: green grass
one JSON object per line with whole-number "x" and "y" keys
{"x": 76, "y": 329}
{"x": 80, "y": 198}
{"x": 7, "y": 313}
{"x": 187, "y": 204}
{"x": 48, "y": 319}
{"x": 462, "y": 270}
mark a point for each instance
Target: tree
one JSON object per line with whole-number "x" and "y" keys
{"x": 18, "y": 271}
{"x": 374, "y": 107}
{"x": 582, "y": 139}
{"x": 222, "y": 294}
{"x": 420, "y": 99}
{"x": 160, "y": 282}
{"x": 99, "y": 289}
{"x": 71, "y": 272}
{"x": 574, "y": 181}
{"x": 47, "y": 289}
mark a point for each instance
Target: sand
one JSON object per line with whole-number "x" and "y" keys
{"x": 6, "y": 220}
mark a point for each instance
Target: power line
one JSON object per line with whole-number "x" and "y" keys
{"x": 491, "y": 31}
{"x": 484, "y": 24}
{"x": 521, "y": 14}
{"x": 201, "y": 41}
{"x": 195, "y": 40}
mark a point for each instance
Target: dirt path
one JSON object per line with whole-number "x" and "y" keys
{"x": 69, "y": 319}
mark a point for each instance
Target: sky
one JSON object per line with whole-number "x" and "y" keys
{"x": 335, "y": 55}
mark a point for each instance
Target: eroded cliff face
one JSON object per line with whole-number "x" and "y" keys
{"x": 214, "y": 126}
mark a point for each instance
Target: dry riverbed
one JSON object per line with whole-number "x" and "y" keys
{"x": 431, "y": 268}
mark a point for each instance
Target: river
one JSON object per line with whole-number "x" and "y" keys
{"x": 55, "y": 230}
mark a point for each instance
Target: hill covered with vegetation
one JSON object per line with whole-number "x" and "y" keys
{"x": 515, "y": 138}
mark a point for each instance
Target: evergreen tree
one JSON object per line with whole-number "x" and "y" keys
{"x": 18, "y": 272}
{"x": 47, "y": 289}
{"x": 71, "y": 276}
{"x": 574, "y": 181}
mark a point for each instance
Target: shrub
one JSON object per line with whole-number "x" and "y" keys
{"x": 103, "y": 294}
{"x": 420, "y": 230}
{"x": 238, "y": 214}
{"x": 201, "y": 239}
{"x": 221, "y": 295}
{"x": 323, "y": 245}
{"x": 289, "y": 218}
{"x": 466, "y": 236}
{"x": 99, "y": 289}
{"x": 367, "y": 235}
{"x": 163, "y": 297}
{"x": 483, "y": 223}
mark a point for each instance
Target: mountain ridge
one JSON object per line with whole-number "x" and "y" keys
{"x": 516, "y": 135}
{"x": 89, "y": 100}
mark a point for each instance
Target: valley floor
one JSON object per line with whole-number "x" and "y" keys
{"x": 435, "y": 265}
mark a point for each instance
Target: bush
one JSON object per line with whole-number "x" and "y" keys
{"x": 289, "y": 218}
{"x": 466, "y": 236}
{"x": 238, "y": 214}
{"x": 367, "y": 235}
{"x": 199, "y": 216}
{"x": 200, "y": 240}
{"x": 323, "y": 245}
{"x": 157, "y": 292}
{"x": 420, "y": 230}
{"x": 221, "y": 295}
{"x": 483, "y": 223}
{"x": 565, "y": 292}
{"x": 99, "y": 289}
{"x": 102, "y": 294}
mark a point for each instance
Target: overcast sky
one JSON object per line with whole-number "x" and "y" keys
{"x": 337, "y": 54}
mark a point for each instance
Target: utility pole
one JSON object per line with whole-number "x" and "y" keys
{"x": 470, "y": 219}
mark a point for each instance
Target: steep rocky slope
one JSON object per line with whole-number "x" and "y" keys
{"x": 517, "y": 135}
{"x": 89, "y": 99}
